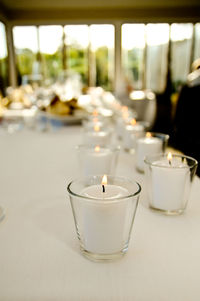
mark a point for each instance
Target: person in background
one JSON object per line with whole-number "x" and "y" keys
{"x": 186, "y": 134}
{"x": 194, "y": 77}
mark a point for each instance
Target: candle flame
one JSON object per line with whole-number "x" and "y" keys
{"x": 96, "y": 128}
{"x": 148, "y": 135}
{"x": 97, "y": 148}
{"x": 133, "y": 121}
{"x": 104, "y": 180}
{"x": 95, "y": 113}
{"x": 169, "y": 156}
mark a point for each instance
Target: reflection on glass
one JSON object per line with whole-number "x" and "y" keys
{"x": 157, "y": 37}
{"x": 133, "y": 45}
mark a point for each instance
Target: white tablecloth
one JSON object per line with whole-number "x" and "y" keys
{"x": 39, "y": 250}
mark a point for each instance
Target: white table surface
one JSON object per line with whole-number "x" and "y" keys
{"x": 39, "y": 251}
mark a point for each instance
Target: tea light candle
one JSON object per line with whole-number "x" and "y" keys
{"x": 94, "y": 120}
{"x": 132, "y": 132}
{"x": 147, "y": 145}
{"x": 104, "y": 222}
{"x": 97, "y": 160}
{"x": 170, "y": 184}
{"x": 97, "y": 136}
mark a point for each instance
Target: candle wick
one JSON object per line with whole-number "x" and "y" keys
{"x": 103, "y": 188}
{"x": 170, "y": 163}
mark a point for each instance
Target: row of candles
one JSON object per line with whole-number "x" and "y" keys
{"x": 104, "y": 207}
{"x": 99, "y": 132}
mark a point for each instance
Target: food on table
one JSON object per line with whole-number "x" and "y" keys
{"x": 59, "y": 107}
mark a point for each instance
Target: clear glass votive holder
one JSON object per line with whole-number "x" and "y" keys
{"x": 97, "y": 136}
{"x": 124, "y": 117}
{"x": 168, "y": 182}
{"x": 90, "y": 124}
{"x": 96, "y": 160}
{"x": 104, "y": 218}
{"x": 150, "y": 144}
{"x": 131, "y": 133}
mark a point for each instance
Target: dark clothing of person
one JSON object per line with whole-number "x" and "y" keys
{"x": 186, "y": 135}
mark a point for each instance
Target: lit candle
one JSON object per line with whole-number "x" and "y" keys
{"x": 132, "y": 132}
{"x": 147, "y": 145}
{"x": 94, "y": 120}
{"x": 104, "y": 223}
{"x": 168, "y": 183}
{"x": 97, "y": 136}
{"x": 97, "y": 160}
{"x": 104, "y": 209}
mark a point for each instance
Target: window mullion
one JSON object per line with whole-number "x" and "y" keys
{"x": 118, "y": 81}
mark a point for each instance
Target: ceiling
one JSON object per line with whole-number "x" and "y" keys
{"x": 35, "y": 10}
{"x": 46, "y": 4}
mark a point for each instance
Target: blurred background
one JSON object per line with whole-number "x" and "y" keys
{"x": 121, "y": 46}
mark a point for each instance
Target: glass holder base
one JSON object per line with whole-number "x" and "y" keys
{"x": 102, "y": 257}
{"x": 167, "y": 212}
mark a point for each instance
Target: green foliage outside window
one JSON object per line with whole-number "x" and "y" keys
{"x": 102, "y": 71}
{"x": 133, "y": 64}
{"x": 52, "y": 65}
{"x": 78, "y": 62}
{"x": 25, "y": 60}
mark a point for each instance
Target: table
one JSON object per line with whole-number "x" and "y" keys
{"x": 39, "y": 251}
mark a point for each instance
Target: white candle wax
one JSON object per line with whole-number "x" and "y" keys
{"x": 147, "y": 146}
{"x": 170, "y": 184}
{"x": 104, "y": 222}
{"x": 97, "y": 162}
{"x": 131, "y": 134}
{"x": 101, "y": 138}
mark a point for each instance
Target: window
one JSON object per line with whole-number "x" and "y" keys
{"x": 50, "y": 59}
{"x": 102, "y": 51}
{"x": 52, "y": 51}
{"x": 181, "y": 56}
{"x": 157, "y": 38}
{"x": 147, "y": 53}
{"x": 26, "y": 49}
{"x": 76, "y": 45}
{"x": 133, "y": 55}
{"x": 197, "y": 41}
{"x": 144, "y": 53}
